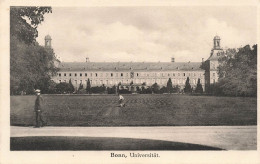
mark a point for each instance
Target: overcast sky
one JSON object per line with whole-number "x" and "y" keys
{"x": 148, "y": 34}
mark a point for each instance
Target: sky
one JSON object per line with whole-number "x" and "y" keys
{"x": 146, "y": 34}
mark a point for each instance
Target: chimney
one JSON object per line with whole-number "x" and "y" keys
{"x": 87, "y": 59}
{"x": 172, "y": 59}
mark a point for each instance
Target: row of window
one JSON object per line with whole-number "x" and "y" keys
{"x": 127, "y": 74}
{"x": 148, "y": 81}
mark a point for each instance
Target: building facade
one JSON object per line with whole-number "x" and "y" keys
{"x": 138, "y": 73}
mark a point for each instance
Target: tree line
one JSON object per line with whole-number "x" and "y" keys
{"x": 68, "y": 88}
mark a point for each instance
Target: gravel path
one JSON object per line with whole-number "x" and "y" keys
{"x": 224, "y": 137}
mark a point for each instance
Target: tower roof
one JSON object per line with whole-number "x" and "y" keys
{"x": 47, "y": 37}
{"x": 216, "y": 37}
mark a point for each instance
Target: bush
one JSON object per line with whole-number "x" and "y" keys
{"x": 63, "y": 88}
{"x": 111, "y": 90}
{"x": 98, "y": 89}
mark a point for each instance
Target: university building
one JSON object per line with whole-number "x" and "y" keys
{"x": 138, "y": 73}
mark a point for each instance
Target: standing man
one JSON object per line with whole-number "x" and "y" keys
{"x": 38, "y": 109}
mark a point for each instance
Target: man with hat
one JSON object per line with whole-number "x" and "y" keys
{"x": 38, "y": 109}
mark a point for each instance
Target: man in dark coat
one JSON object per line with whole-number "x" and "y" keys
{"x": 38, "y": 109}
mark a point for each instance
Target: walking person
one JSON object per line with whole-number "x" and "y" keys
{"x": 121, "y": 101}
{"x": 38, "y": 109}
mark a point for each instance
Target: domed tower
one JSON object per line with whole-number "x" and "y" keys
{"x": 48, "y": 41}
{"x": 211, "y": 72}
{"x": 216, "y": 42}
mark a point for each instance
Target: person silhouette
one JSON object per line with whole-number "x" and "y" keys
{"x": 38, "y": 107}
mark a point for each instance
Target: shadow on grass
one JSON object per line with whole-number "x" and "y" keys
{"x": 99, "y": 143}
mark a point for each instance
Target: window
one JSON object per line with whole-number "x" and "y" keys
{"x": 75, "y": 74}
{"x": 59, "y": 74}
{"x": 80, "y": 74}
{"x": 70, "y": 74}
{"x": 96, "y": 74}
{"x": 183, "y": 74}
{"x": 137, "y": 74}
{"x": 178, "y": 74}
{"x": 121, "y": 74}
{"x": 168, "y": 74}
{"x": 65, "y": 81}
{"x": 213, "y": 74}
{"x": 60, "y": 81}
{"x": 64, "y": 74}
{"x": 111, "y": 74}
{"x": 86, "y": 74}
{"x": 80, "y": 81}
{"x": 173, "y": 74}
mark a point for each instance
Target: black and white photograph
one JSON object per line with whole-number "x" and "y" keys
{"x": 132, "y": 82}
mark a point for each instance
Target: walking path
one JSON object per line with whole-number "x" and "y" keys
{"x": 225, "y": 137}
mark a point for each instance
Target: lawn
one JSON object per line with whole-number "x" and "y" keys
{"x": 140, "y": 110}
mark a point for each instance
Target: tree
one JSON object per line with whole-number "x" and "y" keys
{"x": 199, "y": 88}
{"x": 24, "y": 22}
{"x": 238, "y": 72}
{"x": 71, "y": 87}
{"x": 31, "y": 65}
{"x": 155, "y": 88}
{"x": 169, "y": 85}
{"x": 88, "y": 86}
{"x": 80, "y": 86}
{"x": 187, "y": 88}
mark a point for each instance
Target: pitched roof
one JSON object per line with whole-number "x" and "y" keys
{"x": 123, "y": 66}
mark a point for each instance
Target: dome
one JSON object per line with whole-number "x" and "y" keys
{"x": 48, "y": 37}
{"x": 216, "y": 37}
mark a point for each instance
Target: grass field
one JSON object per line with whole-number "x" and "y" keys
{"x": 140, "y": 110}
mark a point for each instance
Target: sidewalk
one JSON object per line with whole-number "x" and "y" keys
{"x": 224, "y": 137}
